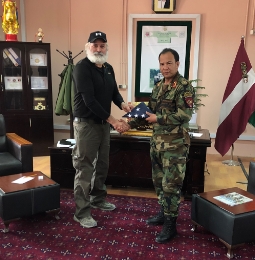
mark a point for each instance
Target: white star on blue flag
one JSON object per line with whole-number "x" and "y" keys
{"x": 139, "y": 111}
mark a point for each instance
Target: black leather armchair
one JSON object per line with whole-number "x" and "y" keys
{"x": 16, "y": 153}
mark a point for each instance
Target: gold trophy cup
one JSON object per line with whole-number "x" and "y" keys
{"x": 10, "y": 22}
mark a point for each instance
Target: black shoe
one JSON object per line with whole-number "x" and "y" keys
{"x": 169, "y": 230}
{"x": 158, "y": 219}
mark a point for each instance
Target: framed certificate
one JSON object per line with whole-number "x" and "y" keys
{"x": 13, "y": 83}
{"x": 39, "y": 83}
{"x": 37, "y": 59}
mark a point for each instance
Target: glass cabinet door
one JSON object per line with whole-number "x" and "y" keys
{"x": 39, "y": 79}
{"x": 12, "y": 79}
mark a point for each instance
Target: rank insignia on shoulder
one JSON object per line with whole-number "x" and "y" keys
{"x": 174, "y": 84}
{"x": 188, "y": 99}
{"x": 184, "y": 82}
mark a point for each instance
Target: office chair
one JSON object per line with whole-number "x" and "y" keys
{"x": 250, "y": 177}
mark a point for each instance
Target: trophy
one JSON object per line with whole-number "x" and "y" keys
{"x": 39, "y": 35}
{"x": 10, "y": 22}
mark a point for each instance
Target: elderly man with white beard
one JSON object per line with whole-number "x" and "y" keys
{"x": 95, "y": 88}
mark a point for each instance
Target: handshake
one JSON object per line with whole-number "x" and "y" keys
{"x": 140, "y": 111}
{"x": 121, "y": 126}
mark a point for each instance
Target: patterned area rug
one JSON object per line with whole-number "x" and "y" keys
{"x": 121, "y": 234}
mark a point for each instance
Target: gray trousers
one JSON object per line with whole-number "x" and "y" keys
{"x": 91, "y": 161}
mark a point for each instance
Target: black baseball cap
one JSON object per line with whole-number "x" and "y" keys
{"x": 97, "y": 35}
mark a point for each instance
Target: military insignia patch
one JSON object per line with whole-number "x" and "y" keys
{"x": 188, "y": 99}
{"x": 174, "y": 84}
{"x": 184, "y": 82}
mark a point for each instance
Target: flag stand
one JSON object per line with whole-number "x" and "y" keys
{"x": 231, "y": 162}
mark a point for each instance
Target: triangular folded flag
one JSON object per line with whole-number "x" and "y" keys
{"x": 139, "y": 111}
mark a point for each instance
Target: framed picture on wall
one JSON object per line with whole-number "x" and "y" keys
{"x": 152, "y": 38}
{"x": 163, "y": 6}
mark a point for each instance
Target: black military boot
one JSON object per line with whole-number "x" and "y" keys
{"x": 169, "y": 230}
{"x": 158, "y": 219}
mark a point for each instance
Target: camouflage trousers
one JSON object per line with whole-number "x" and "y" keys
{"x": 168, "y": 172}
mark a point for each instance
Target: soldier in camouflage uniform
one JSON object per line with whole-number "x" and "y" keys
{"x": 171, "y": 102}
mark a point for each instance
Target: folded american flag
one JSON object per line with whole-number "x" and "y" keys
{"x": 139, "y": 111}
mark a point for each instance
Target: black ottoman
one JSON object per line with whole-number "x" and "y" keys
{"x": 234, "y": 225}
{"x": 41, "y": 194}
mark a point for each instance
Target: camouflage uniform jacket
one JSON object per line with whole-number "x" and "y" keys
{"x": 172, "y": 105}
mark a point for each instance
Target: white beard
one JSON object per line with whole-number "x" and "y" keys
{"x": 97, "y": 57}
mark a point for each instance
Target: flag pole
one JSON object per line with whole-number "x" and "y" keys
{"x": 231, "y": 162}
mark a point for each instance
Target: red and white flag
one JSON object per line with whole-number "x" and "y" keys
{"x": 238, "y": 102}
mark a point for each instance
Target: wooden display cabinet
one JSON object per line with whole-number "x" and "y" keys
{"x": 26, "y": 92}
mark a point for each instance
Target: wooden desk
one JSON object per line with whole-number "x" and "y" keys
{"x": 130, "y": 163}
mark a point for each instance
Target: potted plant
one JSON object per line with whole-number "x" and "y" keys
{"x": 197, "y": 103}
{"x": 198, "y": 96}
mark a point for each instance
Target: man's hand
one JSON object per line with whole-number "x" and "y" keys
{"x": 126, "y": 107}
{"x": 121, "y": 126}
{"x": 152, "y": 118}
{"x": 125, "y": 126}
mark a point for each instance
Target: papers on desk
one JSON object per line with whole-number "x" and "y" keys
{"x": 195, "y": 134}
{"x": 23, "y": 179}
{"x": 114, "y": 132}
{"x": 66, "y": 143}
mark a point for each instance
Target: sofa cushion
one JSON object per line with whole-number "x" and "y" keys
{"x": 9, "y": 164}
{"x": 3, "y": 146}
